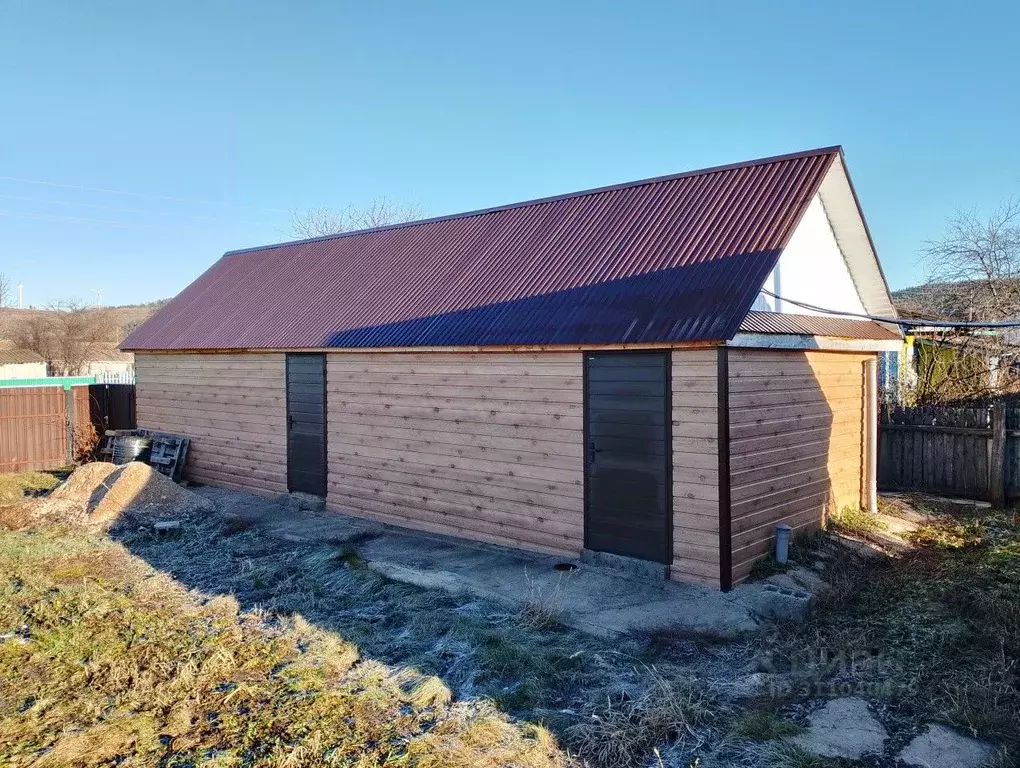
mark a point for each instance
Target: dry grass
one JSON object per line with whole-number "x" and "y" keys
{"x": 14, "y": 517}
{"x": 624, "y": 732}
{"x": 224, "y": 646}
{"x": 15, "y": 486}
{"x": 234, "y": 525}
{"x": 544, "y": 608}
{"x": 667, "y": 640}
{"x": 416, "y": 674}
{"x": 855, "y": 521}
{"x": 935, "y": 632}
{"x": 788, "y": 755}
{"x": 765, "y": 725}
{"x": 107, "y": 661}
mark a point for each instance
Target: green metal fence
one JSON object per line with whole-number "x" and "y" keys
{"x": 65, "y": 382}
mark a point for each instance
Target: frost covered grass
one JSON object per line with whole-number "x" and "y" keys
{"x": 104, "y": 659}
{"x": 223, "y": 645}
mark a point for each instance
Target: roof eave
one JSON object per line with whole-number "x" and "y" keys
{"x": 804, "y": 342}
{"x": 872, "y": 288}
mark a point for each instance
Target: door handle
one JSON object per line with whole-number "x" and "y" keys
{"x": 592, "y": 450}
{"x": 290, "y": 421}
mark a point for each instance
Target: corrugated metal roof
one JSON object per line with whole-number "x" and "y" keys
{"x": 18, "y": 357}
{"x": 815, "y": 325}
{"x": 670, "y": 259}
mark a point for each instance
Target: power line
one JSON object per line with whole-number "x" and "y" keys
{"x": 902, "y": 322}
{"x": 100, "y": 222}
{"x": 137, "y": 194}
{"x": 72, "y": 219}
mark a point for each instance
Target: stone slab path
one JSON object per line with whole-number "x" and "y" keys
{"x": 942, "y": 747}
{"x": 843, "y": 728}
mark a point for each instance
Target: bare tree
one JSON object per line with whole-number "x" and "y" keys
{"x": 975, "y": 267}
{"x": 974, "y": 276}
{"x": 5, "y": 289}
{"x": 323, "y": 221}
{"x": 68, "y": 336}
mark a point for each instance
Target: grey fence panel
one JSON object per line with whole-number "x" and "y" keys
{"x": 1012, "y": 453}
{"x": 947, "y": 451}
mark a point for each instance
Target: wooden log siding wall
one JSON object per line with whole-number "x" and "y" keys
{"x": 797, "y": 443}
{"x": 232, "y": 406}
{"x": 486, "y": 446}
{"x": 489, "y": 446}
{"x": 695, "y": 467}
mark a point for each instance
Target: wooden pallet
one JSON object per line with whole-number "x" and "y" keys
{"x": 168, "y": 455}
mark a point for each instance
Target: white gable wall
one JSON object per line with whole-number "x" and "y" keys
{"x": 811, "y": 269}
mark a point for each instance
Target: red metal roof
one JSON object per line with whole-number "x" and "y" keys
{"x": 816, "y": 325}
{"x": 675, "y": 258}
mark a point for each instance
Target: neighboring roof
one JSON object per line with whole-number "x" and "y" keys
{"x": 19, "y": 357}
{"x": 994, "y": 342}
{"x": 671, "y": 259}
{"x": 816, "y": 325}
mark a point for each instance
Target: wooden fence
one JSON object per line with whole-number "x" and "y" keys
{"x": 968, "y": 452}
{"x": 38, "y": 425}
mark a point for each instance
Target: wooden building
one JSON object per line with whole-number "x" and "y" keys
{"x": 663, "y": 370}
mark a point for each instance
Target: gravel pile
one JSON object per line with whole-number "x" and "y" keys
{"x": 84, "y": 482}
{"x": 100, "y": 494}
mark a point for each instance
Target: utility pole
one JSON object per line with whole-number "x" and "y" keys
{"x": 21, "y": 288}
{"x": 99, "y": 296}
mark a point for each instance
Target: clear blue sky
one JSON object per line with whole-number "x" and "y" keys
{"x": 220, "y": 117}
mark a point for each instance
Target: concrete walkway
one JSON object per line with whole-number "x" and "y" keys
{"x": 593, "y": 599}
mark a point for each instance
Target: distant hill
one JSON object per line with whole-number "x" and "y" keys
{"x": 911, "y": 302}
{"x": 947, "y": 301}
{"x": 124, "y": 319}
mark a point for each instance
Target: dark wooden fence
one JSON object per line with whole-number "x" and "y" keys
{"x": 112, "y": 406}
{"x": 968, "y": 452}
{"x": 39, "y": 426}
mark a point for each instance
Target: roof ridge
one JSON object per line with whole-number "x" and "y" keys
{"x": 834, "y": 149}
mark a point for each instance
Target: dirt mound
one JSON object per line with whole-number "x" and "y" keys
{"x": 100, "y": 494}
{"x": 84, "y": 482}
{"x": 141, "y": 490}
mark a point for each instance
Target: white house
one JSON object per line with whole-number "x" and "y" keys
{"x": 21, "y": 364}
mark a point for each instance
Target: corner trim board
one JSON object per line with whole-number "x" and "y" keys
{"x": 723, "y": 449}
{"x": 668, "y": 416}
{"x": 870, "y": 436}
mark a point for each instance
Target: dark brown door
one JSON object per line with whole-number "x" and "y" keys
{"x": 306, "y": 423}
{"x": 627, "y": 431}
